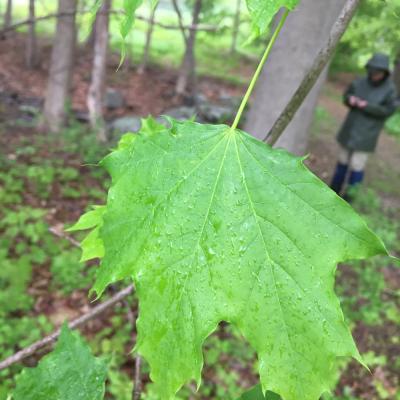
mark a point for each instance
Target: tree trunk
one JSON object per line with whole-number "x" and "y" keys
{"x": 95, "y": 99}
{"x": 147, "y": 45}
{"x": 8, "y": 14}
{"x": 396, "y": 73}
{"x": 31, "y": 48}
{"x": 89, "y": 42}
{"x": 187, "y": 74}
{"x": 59, "y": 83}
{"x": 236, "y": 24}
{"x": 290, "y": 59}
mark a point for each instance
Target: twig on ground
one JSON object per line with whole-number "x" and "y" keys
{"x": 62, "y": 235}
{"x": 83, "y": 319}
{"x": 137, "y": 383}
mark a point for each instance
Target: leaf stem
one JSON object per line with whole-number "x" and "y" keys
{"x": 259, "y": 69}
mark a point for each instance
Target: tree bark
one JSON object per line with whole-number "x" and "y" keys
{"x": 8, "y": 14}
{"x": 149, "y": 33}
{"x": 59, "y": 83}
{"x": 396, "y": 73}
{"x": 90, "y": 40}
{"x": 31, "y": 48}
{"x": 95, "y": 99}
{"x": 291, "y": 58}
{"x": 236, "y": 24}
{"x": 187, "y": 74}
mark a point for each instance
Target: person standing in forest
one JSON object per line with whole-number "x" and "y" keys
{"x": 371, "y": 100}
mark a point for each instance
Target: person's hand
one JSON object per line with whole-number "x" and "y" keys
{"x": 353, "y": 101}
{"x": 361, "y": 103}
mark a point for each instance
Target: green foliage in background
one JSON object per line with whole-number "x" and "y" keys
{"x": 392, "y": 125}
{"x": 15, "y": 276}
{"x": 29, "y": 183}
{"x": 374, "y": 28}
{"x": 372, "y": 304}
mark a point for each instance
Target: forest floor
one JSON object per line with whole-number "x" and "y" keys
{"x": 47, "y": 182}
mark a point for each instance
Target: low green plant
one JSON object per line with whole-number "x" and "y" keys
{"x": 68, "y": 274}
{"x": 362, "y": 284}
{"x": 392, "y": 125}
{"x": 15, "y": 275}
{"x": 323, "y": 121}
{"x": 16, "y": 333}
{"x": 25, "y": 222}
{"x": 41, "y": 177}
{"x": 69, "y": 372}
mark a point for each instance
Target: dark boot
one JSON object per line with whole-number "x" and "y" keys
{"x": 339, "y": 177}
{"x": 356, "y": 177}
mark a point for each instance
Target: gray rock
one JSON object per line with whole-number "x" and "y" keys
{"x": 81, "y": 116}
{"x": 180, "y": 113}
{"x": 215, "y": 113}
{"x": 113, "y": 99}
{"x": 125, "y": 124}
{"x": 200, "y": 98}
{"x": 227, "y": 100}
{"x": 30, "y": 110}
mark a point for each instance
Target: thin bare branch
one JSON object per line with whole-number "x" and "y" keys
{"x": 83, "y": 319}
{"x": 202, "y": 27}
{"x": 137, "y": 383}
{"x": 312, "y": 75}
{"x": 180, "y": 21}
{"x": 62, "y": 235}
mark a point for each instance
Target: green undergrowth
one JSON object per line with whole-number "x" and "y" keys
{"x": 40, "y": 182}
{"x": 371, "y": 298}
{"x": 323, "y": 122}
{"x": 392, "y": 125}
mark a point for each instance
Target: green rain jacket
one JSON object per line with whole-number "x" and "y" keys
{"x": 361, "y": 129}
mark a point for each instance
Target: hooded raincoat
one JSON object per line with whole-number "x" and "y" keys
{"x": 362, "y": 127}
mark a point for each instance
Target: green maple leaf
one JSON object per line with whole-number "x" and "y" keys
{"x": 129, "y": 8}
{"x": 92, "y": 245}
{"x": 69, "y": 372}
{"x": 213, "y": 225}
{"x": 256, "y": 393}
{"x": 262, "y": 12}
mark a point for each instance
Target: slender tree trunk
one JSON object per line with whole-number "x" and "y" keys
{"x": 89, "y": 43}
{"x": 290, "y": 59}
{"x": 236, "y": 24}
{"x": 95, "y": 99}
{"x": 187, "y": 74}
{"x": 62, "y": 57}
{"x": 8, "y": 14}
{"x": 396, "y": 73}
{"x": 147, "y": 46}
{"x": 31, "y": 48}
